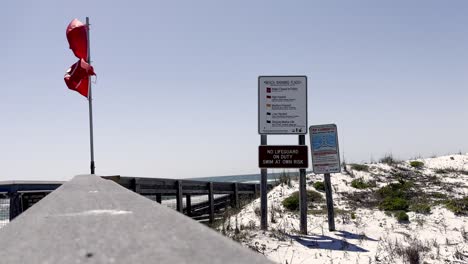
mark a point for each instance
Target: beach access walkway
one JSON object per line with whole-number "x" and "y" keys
{"x": 93, "y": 220}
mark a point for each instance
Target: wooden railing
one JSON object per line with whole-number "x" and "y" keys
{"x": 24, "y": 194}
{"x": 180, "y": 189}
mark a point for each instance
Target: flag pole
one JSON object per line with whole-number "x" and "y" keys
{"x": 90, "y": 101}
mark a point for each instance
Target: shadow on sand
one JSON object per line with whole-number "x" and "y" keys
{"x": 326, "y": 242}
{"x": 349, "y": 235}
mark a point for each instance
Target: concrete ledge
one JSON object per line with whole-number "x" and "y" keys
{"x": 92, "y": 220}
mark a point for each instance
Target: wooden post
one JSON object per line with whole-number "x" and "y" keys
{"x": 263, "y": 192}
{"x": 158, "y": 197}
{"x": 15, "y": 204}
{"x": 302, "y": 194}
{"x": 331, "y": 213}
{"x": 188, "y": 204}
{"x": 235, "y": 203}
{"x": 133, "y": 185}
{"x": 211, "y": 201}
{"x": 180, "y": 205}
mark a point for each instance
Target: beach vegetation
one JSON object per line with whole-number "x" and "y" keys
{"x": 402, "y": 216}
{"x": 451, "y": 170}
{"x": 422, "y": 207}
{"x": 319, "y": 186}
{"x": 292, "y": 202}
{"x": 360, "y": 183}
{"x": 285, "y": 179}
{"x": 394, "y": 204}
{"x": 360, "y": 167}
{"x": 417, "y": 164}
{"x": 388, "y": 159}
{"x": 458, "y": 206}
{"x": 395, "y": 197}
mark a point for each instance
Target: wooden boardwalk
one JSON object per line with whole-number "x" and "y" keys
{"x": 230, "y": 193}
{"x": 24, "y": 194}
{"x": 201, "y": 200}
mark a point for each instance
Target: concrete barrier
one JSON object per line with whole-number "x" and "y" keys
{"x": 92, "y": 220}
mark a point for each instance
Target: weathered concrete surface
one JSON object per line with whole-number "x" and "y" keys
{"x": 92, "y": 220}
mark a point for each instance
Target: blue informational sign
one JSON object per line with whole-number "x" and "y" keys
{"x": 324, "y": 141}
{"x": 324, "y": 148}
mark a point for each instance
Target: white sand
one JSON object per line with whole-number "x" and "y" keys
{"x": 371, "y": 237}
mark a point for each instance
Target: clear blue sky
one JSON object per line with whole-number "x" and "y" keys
{"x": 176, "y": 93}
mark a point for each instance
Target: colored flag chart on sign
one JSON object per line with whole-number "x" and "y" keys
{"x": 282, "y": 105}
{"x": 324, "y": 148}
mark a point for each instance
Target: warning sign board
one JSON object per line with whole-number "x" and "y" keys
{"x": 282, "y": 105}
{"x": 324, "y": 149}
{"x": 283, "y": 157}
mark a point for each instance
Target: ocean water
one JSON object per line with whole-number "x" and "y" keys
{"x": 4, "y": 211}
{"x": 246, "y": 178}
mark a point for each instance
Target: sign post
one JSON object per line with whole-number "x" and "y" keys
{"x": 282, "y": 110}
{"x": 326, "y": 160}
{"x": 303, "y": 193}
{"x": 263, "y": 191}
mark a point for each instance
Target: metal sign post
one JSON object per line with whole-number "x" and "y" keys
{"x": 326, "y": 160}
{"x": 302, "y": 194}
{"x": 330, "y": 209}
{"x": 282, "y": 110}
{"x": 263, "y": 191}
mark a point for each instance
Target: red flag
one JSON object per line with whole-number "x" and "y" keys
{"x": 77, "y": 77}
{"x": 78, "y": 38}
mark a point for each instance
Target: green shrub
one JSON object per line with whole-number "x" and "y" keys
{"x": 422, "y": 208}
{"x": 388, "y": 159}
{"x": 360, "y": 167}
{"x": 394, "y": 204}
{"x": 458, "y": 206}
{"x": 314, "y": 197}
{"x": 395, "y": 196}
{"x": 361, "y": 184}
{"x": 401, "y": 216}
{"x": 292, "y": 201}
{"x": 417, "y": 164}
{"x": 438, "y": 195}
{"x": 450, "y": 170}
{"x": 441, "y": 171}
{"x": 400, "y": 189}
{"x": 353, "y": 215}
{"x": 319, "y": 186}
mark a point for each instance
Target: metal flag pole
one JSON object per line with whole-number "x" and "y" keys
{"x": 90, "y": 101}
